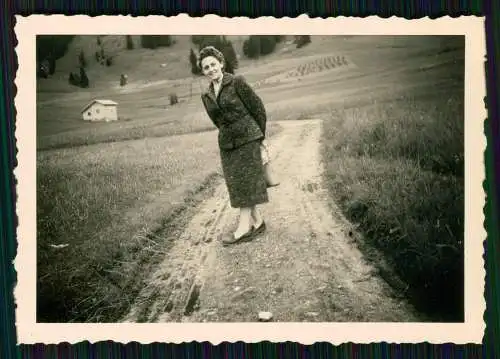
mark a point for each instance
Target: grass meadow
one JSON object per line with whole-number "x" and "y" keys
{"x": 107, "y": 204}
{"x": 395, "y": 166}
{"x": 110, "y": 196}
{"x": 396, "y": 170}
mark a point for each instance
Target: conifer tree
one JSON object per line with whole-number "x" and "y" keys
{"x": 267, "y": 44}
{"x": 302, "y": 40}
{"x": 251, "y": 47}
{"x": 130, "y": 43}
{"x": 81, "y": 59}
{"x": 229, "y": 55}
{"x": 52, "y": 65}
{"x": 84, "y": 80}
{"x": 193, "y": 60}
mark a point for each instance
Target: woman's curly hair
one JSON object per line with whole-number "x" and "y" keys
{"x": 210, "y": 51}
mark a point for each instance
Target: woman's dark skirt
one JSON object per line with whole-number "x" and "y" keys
{"x": 244, "y": 175}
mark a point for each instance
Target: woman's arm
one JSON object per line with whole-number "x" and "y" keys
{"x": 252, "y": 102}
{"x": 210, "y": 114}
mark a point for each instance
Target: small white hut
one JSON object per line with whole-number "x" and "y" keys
{"x": 100, "y": 110}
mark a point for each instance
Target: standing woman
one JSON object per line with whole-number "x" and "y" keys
{"x": 240, "y": 117}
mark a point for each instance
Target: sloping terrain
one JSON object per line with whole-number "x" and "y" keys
{"x": 305, "y": 267}
{"x": 378, "y": 89}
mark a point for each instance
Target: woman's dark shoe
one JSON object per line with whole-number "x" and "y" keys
{"x": 232, "y": 239}
{"x": 259, "y": 229}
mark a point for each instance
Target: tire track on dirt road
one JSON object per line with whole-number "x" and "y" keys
{"x": 305, "y": 267}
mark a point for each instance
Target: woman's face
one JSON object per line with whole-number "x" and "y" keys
{"x": 211, "y": 68}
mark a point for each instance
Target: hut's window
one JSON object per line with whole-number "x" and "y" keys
{"x": 88, "y": 113}
{"x": 96, "y": 110}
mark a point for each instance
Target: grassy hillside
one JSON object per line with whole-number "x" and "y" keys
{"x": 392, "y": 146}
{"x": 144, "y": 102}
{"x": 141, "y": 65}
{"x": 145, "y": 65}
{"x": 394, "y": 162}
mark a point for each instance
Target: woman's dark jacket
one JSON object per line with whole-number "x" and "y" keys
{"x": 237, "y": 112}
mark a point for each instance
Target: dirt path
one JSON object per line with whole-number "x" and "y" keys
{"x": 304, "y": 268}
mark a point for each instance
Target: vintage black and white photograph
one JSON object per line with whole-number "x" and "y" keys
{"x": 256, "y": 178}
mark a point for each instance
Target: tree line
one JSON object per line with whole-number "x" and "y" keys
{"x": 50, "y": 48}
{"x": 261, "y": 45}
{"x": 253, "y": 47}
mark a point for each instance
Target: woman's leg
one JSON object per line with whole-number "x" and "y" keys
{"x": 256, "y": 217}
{"x": 245, "y": 222}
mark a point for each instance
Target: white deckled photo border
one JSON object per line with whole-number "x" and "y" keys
{"x": 30, "y": 332}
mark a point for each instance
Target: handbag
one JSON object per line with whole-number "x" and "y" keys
{"x": 269, "y": 176}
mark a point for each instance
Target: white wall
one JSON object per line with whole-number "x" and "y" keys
{"x": 100, "y": 112}
{"x": 87, "y": 114}
{"x": 111, "y": 113}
